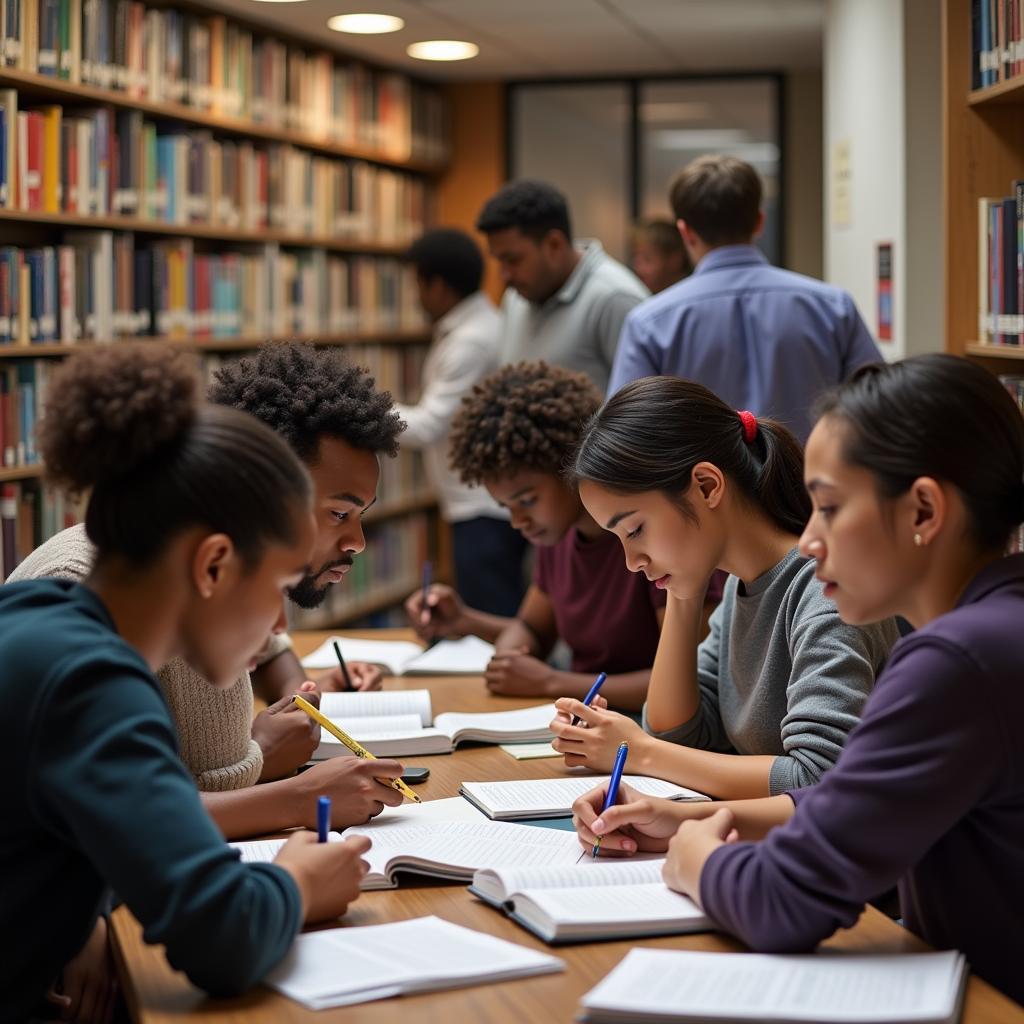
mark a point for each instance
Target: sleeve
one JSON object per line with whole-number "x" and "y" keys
{"x": 705, "y": 730}
{"x": 875, "y": 815}
{"x": 457, "y": 370}
{"x": 860, "y": 348}
{"x": 277, "y": 644}
{"x": 106, "y": 775}
{"x": 610, "y": 318}
{"x": 634, "y": 357}
{"x": 833, "y": 670}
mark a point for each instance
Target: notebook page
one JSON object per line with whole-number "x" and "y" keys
{"x": 615, "y": 904}
{"x": 469, "y": 656}
{"x": 374, "y": 703}
{"x": 824, "y": 987}
{"x": 392, "y": 654}
{"x": 263, "y": 850}
{"x": 520, "y": 720}
{"x": 546, "y": 794}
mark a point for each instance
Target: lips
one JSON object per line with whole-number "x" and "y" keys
{"x": 337, "y": 574}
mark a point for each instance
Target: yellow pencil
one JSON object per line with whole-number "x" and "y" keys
{"x": 357, "y": 748}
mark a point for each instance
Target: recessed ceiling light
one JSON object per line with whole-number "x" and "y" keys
{"x": 365, "y": 24}
{"x": 442, "y": 49}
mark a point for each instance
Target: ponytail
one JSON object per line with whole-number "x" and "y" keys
{"x": 651, "y": 433}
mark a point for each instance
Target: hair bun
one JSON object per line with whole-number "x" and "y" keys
{"x": 109, "y": 410}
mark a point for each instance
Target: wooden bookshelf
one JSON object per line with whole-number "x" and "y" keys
{"x": 12, "y": 473}
{"x": 376, "y": 600}
{"x": 976, "y": 348}
{"x": 45, "y": 88}
{"x": 1010, "y": 91}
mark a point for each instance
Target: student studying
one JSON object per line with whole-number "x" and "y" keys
{"x": 513, "y": 435}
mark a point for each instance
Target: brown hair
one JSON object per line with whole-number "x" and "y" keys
{"x": 719, "y": 197}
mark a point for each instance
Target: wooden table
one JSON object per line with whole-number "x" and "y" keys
{"x": 158, "y": 995}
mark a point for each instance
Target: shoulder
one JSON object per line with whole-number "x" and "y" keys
{"x": 68, "y": 555}
{"x": 611, "y": 278}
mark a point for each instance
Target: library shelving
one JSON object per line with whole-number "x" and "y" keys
{"x": 172, "y": 173}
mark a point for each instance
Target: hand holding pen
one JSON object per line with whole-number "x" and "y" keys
{"x": 612, "y": 793}
{"x": 591, "y": 694}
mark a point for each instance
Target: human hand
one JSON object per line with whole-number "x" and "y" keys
{"x": 516, "y": 673}
{"x": 351, "y": 783}
{"x": 691, "y": 846}
{"x": 636, "y": 824}
{"x": 595, "y": 741}
{"x": 88, "y": 987}
{"x": 287, "y": 736}
{"x": 327, "y": 874}
{"x": 440, "y": 617}
{"x": 364, "y": 676}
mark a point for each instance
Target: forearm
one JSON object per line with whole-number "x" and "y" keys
{"x": 754, "y": 818}
{"x": 517, "y": 635}
{"x": 673, "y": 696}
{"x": 255, "y": 810}
{"x": 725, "y": 776}
{"x": 279, "y": 677}
{"x": 624, "y": 692}
{"x": 484, "y": 625}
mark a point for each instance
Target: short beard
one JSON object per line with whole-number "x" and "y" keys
{"x": 306, "y": 594}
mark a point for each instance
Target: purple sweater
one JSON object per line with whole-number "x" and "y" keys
{"x": 928, "y": 792}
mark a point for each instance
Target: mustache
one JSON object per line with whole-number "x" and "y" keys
{"x": 333, "y": 565}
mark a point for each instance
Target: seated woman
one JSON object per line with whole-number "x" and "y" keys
{"x": 513, "y": 434}
{"x": 201, "y": 518}
{"x": 764, "y": 704}
{"x": 915, "y": 470}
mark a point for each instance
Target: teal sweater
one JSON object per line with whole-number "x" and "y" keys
{"x": 98, "y": 800}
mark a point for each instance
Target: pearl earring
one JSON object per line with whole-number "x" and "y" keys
{"x": 918, "y": 539}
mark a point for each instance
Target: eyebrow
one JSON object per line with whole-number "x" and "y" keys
{"x": 816, "y": 484}
{"x": 520, "y": 492}
{"x": 616, "y": 519}
{"x": 353, "y": 498}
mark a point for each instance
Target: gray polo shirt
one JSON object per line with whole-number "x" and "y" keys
{"x": 579, "y": 326}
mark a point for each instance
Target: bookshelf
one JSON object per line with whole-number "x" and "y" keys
{"x": 262, "y": 177}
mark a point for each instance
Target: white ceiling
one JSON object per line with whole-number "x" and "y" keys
{"x": 569, "y": 38}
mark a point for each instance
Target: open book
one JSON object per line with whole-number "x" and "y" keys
{"x": 667, "y": 985}
{"x": 343, "y": 966}
{"x": 553, "y": 798}
{"x": 396, "y": 723}
{"x": 468, "y": 656}
{"x": 611, "y": 899}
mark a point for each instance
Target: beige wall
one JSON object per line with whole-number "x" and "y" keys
{"x": 804, "y": 174}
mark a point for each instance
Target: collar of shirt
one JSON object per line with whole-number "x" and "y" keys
{"x": 460, "y": 313}
{"x": 590, "y": 250}
{"x": 730, "y": 256}
{"x": 992, "y": 577}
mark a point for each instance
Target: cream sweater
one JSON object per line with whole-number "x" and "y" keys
{"x": 214, "y": 726}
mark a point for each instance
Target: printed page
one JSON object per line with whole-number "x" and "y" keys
{"x": 643, "y": 869}
{"x": 375, "y": 703}
{"x": 371, "y": 725}
{"x": 263, "y": 850}
{"x": 499, "y": 723}
{"x": 618, "y": 904}
{"x": 819, "y": 987}
{"x": 467, "y": 656}
{"x": 392, "y": 654}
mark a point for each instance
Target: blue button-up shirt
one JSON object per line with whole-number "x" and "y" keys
{"x": 761, "y": 338}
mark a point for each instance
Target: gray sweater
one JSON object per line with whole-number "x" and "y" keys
{"x": 780, "y": 673}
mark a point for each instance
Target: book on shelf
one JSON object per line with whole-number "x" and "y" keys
{"x": 30, "y": 513}
{"x": 595, "y": 899}
{"x": 466, "y": 656}
{"x": 214, "y": 65}
{"x": 1001, "y": 268}
{"x": 997, "y": 41}
{"x": 400, "y": 723}
{"x": 653, "y": 985}
{"x": 24, "y": 385}
{"x": 553, "y": 798}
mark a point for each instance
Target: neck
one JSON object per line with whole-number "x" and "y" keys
{"x": 755, "y": 544}
{"x": 451, "y": 301}
{"x": 942, "y": 583}
{"x": 587, "y": 525}
{"x": 572, "y": 259}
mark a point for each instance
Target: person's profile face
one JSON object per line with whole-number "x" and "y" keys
{"x": 656, "y": 268}
{"x": 542, "y": 507}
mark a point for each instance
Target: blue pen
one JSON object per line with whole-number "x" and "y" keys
{"x": 613, "y": 785}
{"x": 323, "y": 817}
{"x": 591, "y": 694}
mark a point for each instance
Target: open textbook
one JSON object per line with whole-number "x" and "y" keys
{"x": 343, "y": 966}
{"x": 553, "y": 798}
{"x": 667, "y": 985}
{"x": 468, "y": 656}
{"x": 612, "y": 899}
{"x": 397, "y": 723}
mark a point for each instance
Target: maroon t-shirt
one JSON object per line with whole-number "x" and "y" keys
{"x": 604, "y": 612}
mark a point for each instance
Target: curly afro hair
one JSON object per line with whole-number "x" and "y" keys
{"x": 305, "y": 393}
{"x": 525, "y": 416}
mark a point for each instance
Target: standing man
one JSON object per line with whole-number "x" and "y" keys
{"x": 761, "y": 338}
{"x": 563, "y": 303}
{"x": 488, "y": 553}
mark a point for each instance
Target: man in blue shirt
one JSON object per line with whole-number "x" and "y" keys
{"x": 763, "y": 339}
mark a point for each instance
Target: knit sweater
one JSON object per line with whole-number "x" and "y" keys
{"x": 214, "y": 725}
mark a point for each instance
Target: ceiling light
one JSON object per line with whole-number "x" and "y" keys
{"x": 365, "y": 24}
{"x": 442, "y": 49}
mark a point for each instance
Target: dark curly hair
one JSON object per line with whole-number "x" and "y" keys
{"x": 525, "y": 416}
{"x": 305, "y": 393}
{"x": 128, "y": 427}
{"x": 534, "y": 207}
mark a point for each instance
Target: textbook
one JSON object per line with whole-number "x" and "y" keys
{"x": 397, "y": 723}
{"x": 553, "y": 798}
{"x": 468, "y": 656}
{"x": 602, "y": 899}
{"x": 343, "y": 966}
{"x": 653, "y": 985}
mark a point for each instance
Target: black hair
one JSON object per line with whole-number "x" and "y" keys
{"x": 651, "y": 433}
{"x": 125, "y": 424}
{"x": 534, "y": 207}
{"x": 943, "y": 417}
{"x": 451, "y": 255}
{"x": 305, "y": 393}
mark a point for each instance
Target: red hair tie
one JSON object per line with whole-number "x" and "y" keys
{"x": 749, "y": 421}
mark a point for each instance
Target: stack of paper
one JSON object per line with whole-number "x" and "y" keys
{"x": 342, "y": 966}
{"x": 468, "y": 656}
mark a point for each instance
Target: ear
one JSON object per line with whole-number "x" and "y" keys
{"x": 929, "y": 508}
{"x": 555, "y": 242}
{"x": 709, "y": 482}
{"x": 214, "y": 561}
{"x": 687, "y": 233}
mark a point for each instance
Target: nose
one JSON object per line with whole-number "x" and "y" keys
{"x": 518, "y": 520}
{"x": 354, "y": 540}
{"x": 636, "y": 560}
{"x": 811, "y": 545}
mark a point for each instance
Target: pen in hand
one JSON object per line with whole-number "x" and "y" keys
{"x": 591, "y": 694}
{"x": 424, "y": 602}
{"x": 612, "y": 793}
{"x": 344, "y": 668}
{"x": 323, "y": 818}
